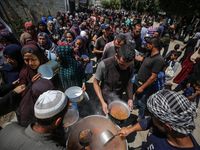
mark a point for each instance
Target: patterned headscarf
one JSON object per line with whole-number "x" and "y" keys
{"x": 71, "y": 72}
{"x": 173, "y": 109}
{"x": 8, "y": 36}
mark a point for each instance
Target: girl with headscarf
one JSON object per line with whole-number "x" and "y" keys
{"x": 33, "y": 58}
{"x": 45, "y": 43}
{"x": 42, "y": 27}
{"x": 79, "y": 49}
{"x": 71, "y": 72}
{"x": 24, "y": 38}
{"x": 79, "y": 46}
{"x": 54, "y": 34}
{"x": 10, "y": 71}
{"x": 31, "y": 30}
{"x": 68, "y": 37}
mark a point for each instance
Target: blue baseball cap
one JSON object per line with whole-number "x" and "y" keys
{"x": 106, "y": 26}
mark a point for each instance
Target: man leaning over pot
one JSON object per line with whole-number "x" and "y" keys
{"x": 115, "y": 74}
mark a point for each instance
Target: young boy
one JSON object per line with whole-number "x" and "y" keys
{"x": 173, "y": 62}
{"x": 176, "y": 47}
{"x": 193, "y": 92}
{"x": 160, "y": 81}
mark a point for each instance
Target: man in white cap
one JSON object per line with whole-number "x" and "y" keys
{"x": 49, "y": 109}
{"x": 171, "y": 122}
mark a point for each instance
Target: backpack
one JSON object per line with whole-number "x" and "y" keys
{"x": 169, "y": 73}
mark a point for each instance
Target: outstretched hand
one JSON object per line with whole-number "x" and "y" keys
{"x": 20, "y": 88}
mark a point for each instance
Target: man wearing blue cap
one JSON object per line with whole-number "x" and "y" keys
{"x": 101, "y": 41}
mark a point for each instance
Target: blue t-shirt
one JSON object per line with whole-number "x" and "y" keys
{"x": 157, "y": 141}
{"x": 189, "y": 92}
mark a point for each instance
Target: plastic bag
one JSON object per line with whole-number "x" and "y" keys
{"x": 89, "y": 67}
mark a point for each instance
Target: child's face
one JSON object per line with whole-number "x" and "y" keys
{"x": 173, "y": 57}
{"x": 79, "y": 44}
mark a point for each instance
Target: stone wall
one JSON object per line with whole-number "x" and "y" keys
{"x": 31, "y": 9}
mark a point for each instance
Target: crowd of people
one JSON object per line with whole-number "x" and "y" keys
{"x": 126, "y": 46}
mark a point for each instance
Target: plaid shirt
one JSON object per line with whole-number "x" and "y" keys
{"x": 108, "y": 45}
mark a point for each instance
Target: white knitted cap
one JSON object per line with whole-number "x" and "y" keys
{"x": 49, "y": 104}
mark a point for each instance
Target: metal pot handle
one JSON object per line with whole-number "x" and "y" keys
{"x": 86, "y": 96}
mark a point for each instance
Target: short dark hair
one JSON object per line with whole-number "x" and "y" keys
{"x": 138, "y": 25}
{"x": 177, "y": 46}
{"x": 48, "y": 121}
{"x": 155, "y": 41}
{"x": 120, "y": 38}
{"x": 158, "y": 31}
{"x": 126, "y": 52}
{"x": 96, "y": 25}
{"x": 177, "y": 53}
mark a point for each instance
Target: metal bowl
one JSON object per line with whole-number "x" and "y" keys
{"x": 71, "y": 117}
{"x": 74, "y": 93}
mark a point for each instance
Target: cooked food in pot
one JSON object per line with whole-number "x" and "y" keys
{"x": 85, "y": 135}
{"x": 119, "y": 113}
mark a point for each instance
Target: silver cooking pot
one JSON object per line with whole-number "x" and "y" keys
{"x": 97, "y": 124}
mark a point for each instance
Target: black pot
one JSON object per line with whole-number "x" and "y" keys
{"x": 116, "y": 121}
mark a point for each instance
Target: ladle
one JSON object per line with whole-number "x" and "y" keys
{"x": 106, "y": 137}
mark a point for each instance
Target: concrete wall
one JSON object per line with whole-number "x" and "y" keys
{"x": 32, "y": 9}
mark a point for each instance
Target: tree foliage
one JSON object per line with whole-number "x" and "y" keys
{"x": 105, "y": 4}
{"x": 171, "y": 7}
{"x": 128, "y": 4}
{"x": 181, "y": 7}
{"x": 114, "y": 4}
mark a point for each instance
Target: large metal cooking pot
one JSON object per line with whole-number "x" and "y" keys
{"x": 97, "y": 124}
{"x": 123, "y": 106}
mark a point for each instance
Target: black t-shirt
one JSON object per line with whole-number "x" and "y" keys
{"x": 134, "y": 42}
{"x": 151, "y": 64}
{"x": 99, "y": 45}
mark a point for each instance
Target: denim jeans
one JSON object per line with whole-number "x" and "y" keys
{"x": 141, "y": 101}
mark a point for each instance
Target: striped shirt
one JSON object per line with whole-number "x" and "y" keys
{"x": 151, "y": 30}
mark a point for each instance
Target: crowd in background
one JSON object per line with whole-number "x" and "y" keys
{"x": 71, "y": 38}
